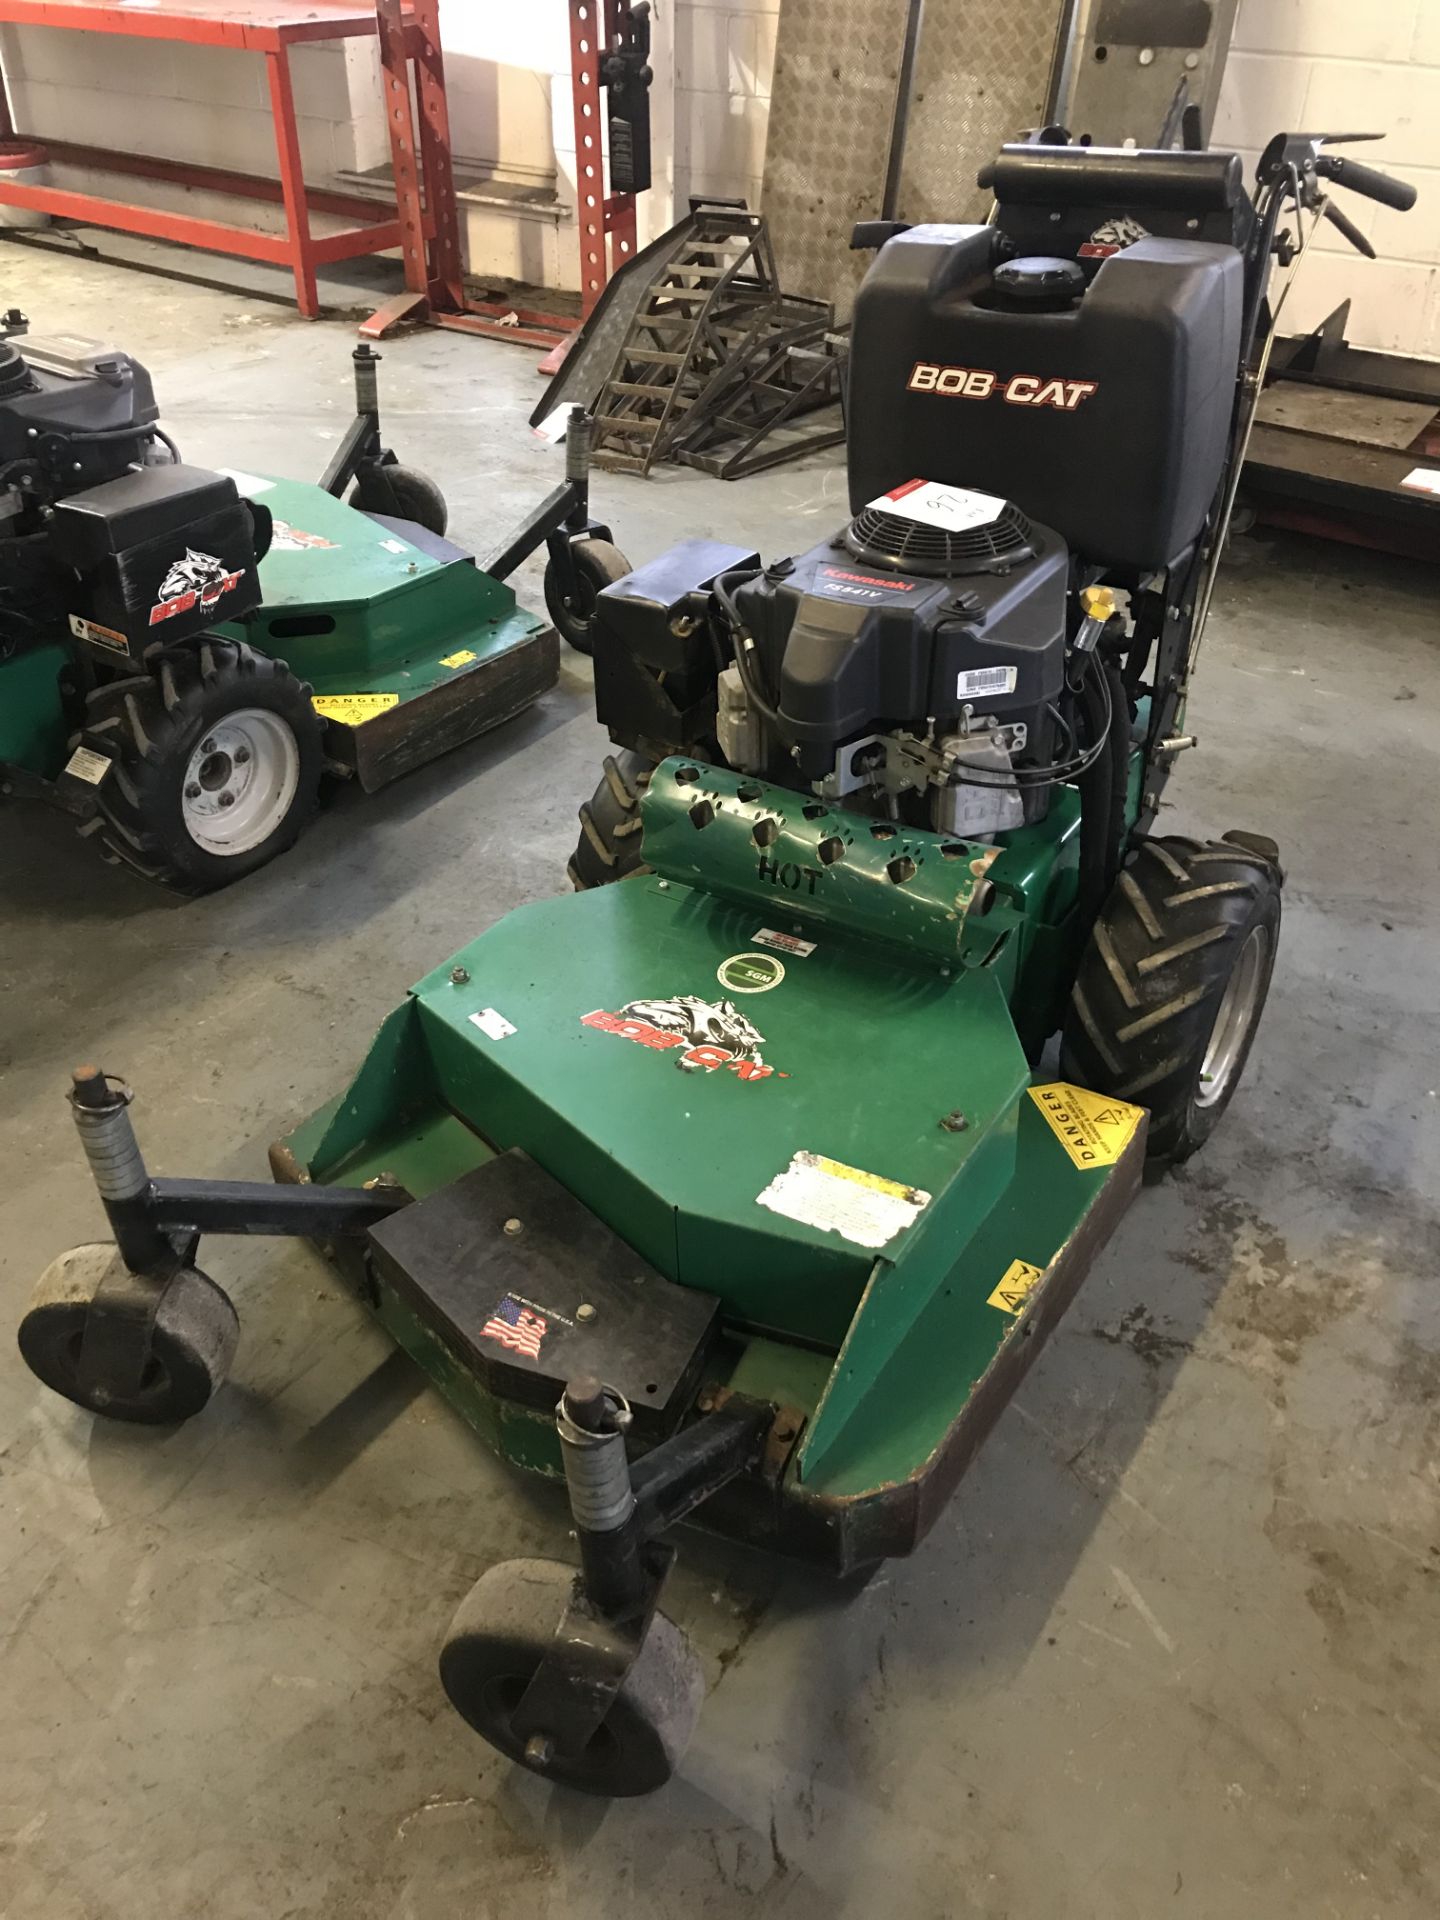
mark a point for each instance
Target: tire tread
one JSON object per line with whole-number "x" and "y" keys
{"x": 1152, "y": 975}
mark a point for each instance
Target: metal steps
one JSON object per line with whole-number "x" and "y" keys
{"x": 694, "y": 353}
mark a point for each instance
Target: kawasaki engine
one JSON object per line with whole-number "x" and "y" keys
{"x": 915, "y": 664}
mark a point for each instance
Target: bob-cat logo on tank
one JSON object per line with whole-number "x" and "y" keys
{"x": 980, "y": 383}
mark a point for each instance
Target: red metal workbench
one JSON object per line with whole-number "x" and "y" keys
{"x": 268, "y": 27}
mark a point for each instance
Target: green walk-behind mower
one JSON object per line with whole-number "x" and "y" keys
{"x": 185, "y": 654}
{"x": 741, "y": 1190}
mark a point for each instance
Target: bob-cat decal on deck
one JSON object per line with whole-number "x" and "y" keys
{"x": 713, "y": 1033}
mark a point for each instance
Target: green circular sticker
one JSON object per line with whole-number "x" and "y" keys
{"x": 750, "y": 972}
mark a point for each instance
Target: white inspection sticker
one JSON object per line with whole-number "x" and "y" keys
{"x": 861, "y": 1207}
{"x": 394, "y": 546}
{"x": 933, "y": 504}
{"x": 556, "y": 423}
{"x": 246, "y": 482}
{"x": 1423, "y": 480}
{"x": 492, "y": 1023}
{"x": 88, "y": 765}
{"x": 980, "y": 682}
{"x": 784, "y": 943}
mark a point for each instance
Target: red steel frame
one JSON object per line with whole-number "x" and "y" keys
{"x": 425, "y": 186}
{"x": 425, "y": 226}
{"x": 269, "y": 27}
{"x": 606, "y": 220}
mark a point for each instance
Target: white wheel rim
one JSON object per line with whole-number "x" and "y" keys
{"x": 241, "y": 781}
{"x": 1235, "y": 1019}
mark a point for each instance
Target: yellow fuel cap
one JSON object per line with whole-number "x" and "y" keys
{"x": 1098, "y": 602}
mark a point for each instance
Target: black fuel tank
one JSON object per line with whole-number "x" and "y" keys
{"x": 1108, "y": 420}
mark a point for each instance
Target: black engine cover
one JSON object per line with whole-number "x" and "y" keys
{"x": 57, "y": 394}
{"x": 854, "y": 649}
{"x": 162, "y": 553}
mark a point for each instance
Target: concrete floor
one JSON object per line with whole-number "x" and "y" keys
{"x": 1172, "y": 1648}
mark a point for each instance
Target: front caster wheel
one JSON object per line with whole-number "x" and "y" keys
{"x": 402, "y": 493}
{"x": 575, "y": 609}
{"x": 192, "y": 1341}
{"x": 504, "y": 1628}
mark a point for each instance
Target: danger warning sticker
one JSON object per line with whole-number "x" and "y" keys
{"x": 87, "y": 765}
{"x": 784, "y": 942}
{"x": 1017, "y": 1283}
{"x": 1093, "y": 1130}
{"x": 101, "y": 636}
{"x": 353, "y": 709}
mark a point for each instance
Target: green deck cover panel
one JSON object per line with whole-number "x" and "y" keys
{"x": 391, "y": 614}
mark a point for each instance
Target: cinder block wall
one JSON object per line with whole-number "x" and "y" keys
{"x": 207, "y": 105}
{"x": 1347, "y": 66}
{"x": 724, "y": 59}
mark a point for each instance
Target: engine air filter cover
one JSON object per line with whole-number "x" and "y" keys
{"x": 886, "y": 539}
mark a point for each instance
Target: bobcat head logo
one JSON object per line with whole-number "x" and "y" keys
{"x": 199, "y": 580}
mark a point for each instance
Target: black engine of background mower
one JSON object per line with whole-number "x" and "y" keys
{"x": 90, "y": 486}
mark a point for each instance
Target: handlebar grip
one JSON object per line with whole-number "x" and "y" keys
{"x": 1367, "y": 180}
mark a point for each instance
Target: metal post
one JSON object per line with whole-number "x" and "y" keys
{"x": 101, "y": 1108}
{"x": 442, "y": 218}
{"x": 586, "y": 28}
{"x": 900, "y": 124}
{"x": 367, "y": 381}
{"x": 404, "y": 161}
{"x": 292, "y": 182}
{"x": 591, "y": 1424}
{"x": 579, "y": 438}
{"x": 619, "y": 208}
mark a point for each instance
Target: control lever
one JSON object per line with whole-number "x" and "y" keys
{"x": 1347, "y": 226}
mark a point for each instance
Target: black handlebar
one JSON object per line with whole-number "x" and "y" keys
{"x": 1367, "y": 180}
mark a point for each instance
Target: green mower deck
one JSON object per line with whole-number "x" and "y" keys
{"x": 799, "y": 1094}
{"x": 410, "y": 649}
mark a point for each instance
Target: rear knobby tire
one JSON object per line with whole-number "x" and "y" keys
{"x": 160, "y": 806}
{"x": 609, "y": 847}
{"x": 1171, "y": 985}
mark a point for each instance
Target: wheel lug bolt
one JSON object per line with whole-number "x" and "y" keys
{"x": 207, "y": 746}
{"x": 192, "y": 792}
{"x": 227, "y": 799}
{"x": 242, "y": 754}
{"x": 539, "y": 1750}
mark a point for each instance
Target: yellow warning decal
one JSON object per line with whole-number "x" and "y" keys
{"x": 1017, "y": 1283}
{"x": 460, "y": 659}
{"x": 353, "y": 709}
{"x": 1093, "y": 1130}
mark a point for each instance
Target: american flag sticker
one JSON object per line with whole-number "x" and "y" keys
{"x": 516, "y": 1327}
